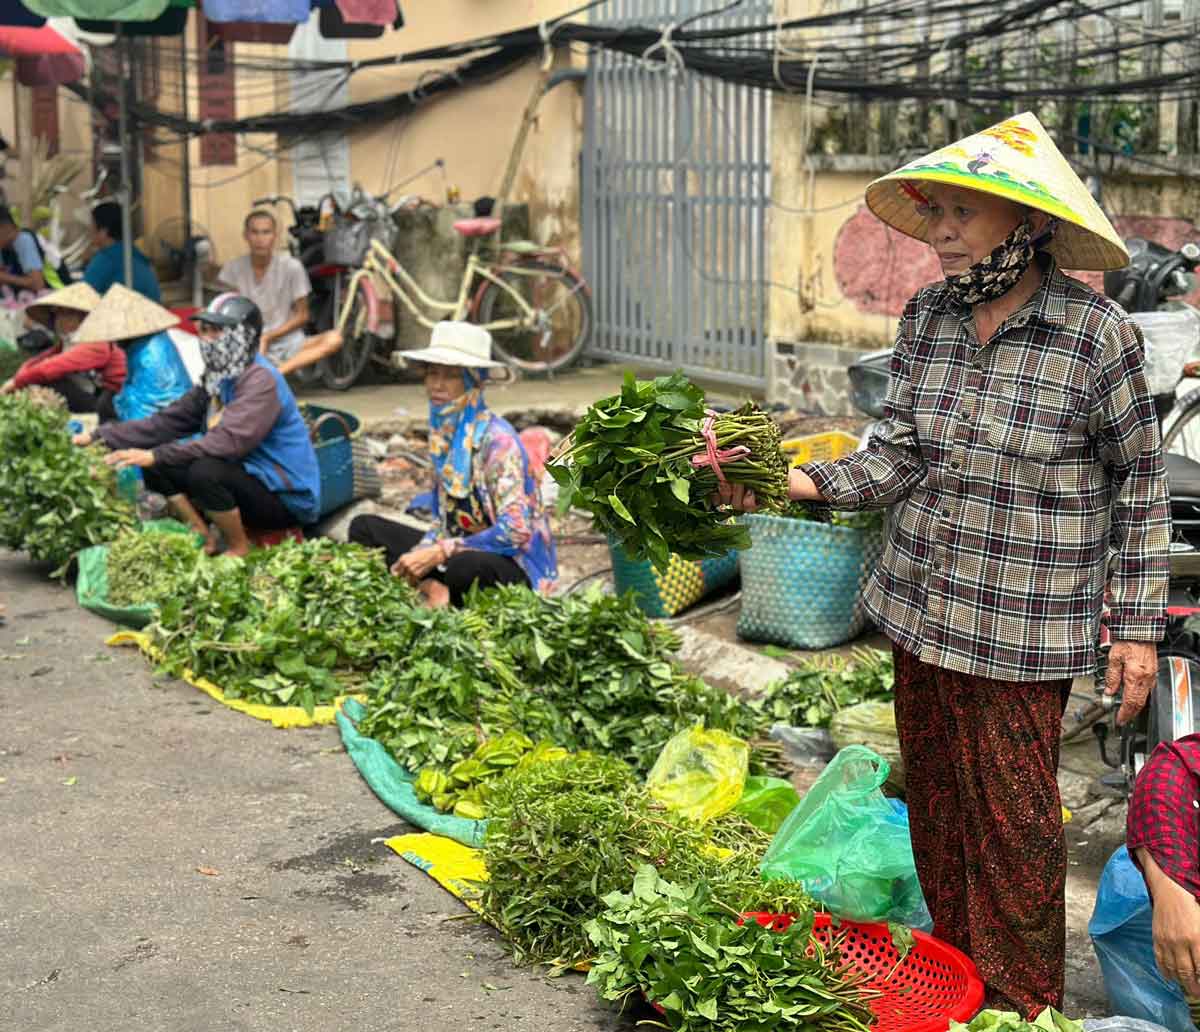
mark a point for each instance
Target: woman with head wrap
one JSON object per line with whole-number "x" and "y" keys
{"x": 254, "y": 465}
{"x": 490, "y": 525}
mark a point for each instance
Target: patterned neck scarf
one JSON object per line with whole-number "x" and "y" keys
{"x": 995, "y": 275}
{"x": 227, "y": 357}
{"x": 454, "y": 431}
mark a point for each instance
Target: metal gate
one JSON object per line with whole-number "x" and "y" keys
{"x": 676, "y": 184}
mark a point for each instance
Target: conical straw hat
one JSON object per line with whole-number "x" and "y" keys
{"x": 1015, "y": 159}
{"x": 79, "y": 296}
{"x": 123, "y": 314}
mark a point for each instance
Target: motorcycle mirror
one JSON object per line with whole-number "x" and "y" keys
{"x": 1191, "y": 252}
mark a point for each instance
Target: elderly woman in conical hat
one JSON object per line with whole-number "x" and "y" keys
{"x": 489, "y": 524}
{"x": 87, "y": 375}
{"x": 157, "y": 375}
{"x": 1021, "y": 441}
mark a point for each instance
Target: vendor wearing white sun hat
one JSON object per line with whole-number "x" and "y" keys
{"x": 490, "y": 526}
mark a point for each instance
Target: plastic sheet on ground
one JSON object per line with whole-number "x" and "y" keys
{"x": 454, "y": 866}
{"x": 1122, "y": 935}
{"x": 278, "y": 716}
{"x": 394, "y": 785}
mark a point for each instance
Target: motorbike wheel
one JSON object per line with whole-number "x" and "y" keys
{"x": 341, "y": 371}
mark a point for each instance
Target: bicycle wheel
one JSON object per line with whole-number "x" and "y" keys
{"x": 341, "y": 370}
{"x": 1181, "y": 434}
{"x": 562, "y": 316}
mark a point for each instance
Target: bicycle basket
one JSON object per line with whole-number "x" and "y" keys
{"x": 348, "y": 242}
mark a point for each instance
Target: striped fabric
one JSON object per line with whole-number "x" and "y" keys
{"x": 1013, "y": 465}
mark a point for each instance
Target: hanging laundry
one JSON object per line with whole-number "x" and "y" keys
{"x": 368, "y": 12}
{"x": 294, "y": 11}
{"x": 110, "y": 10}
{"x": 13, "y": 12}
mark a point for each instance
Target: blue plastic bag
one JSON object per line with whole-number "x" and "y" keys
{"x": 156, "y": 377}
{"x": 850, "y": 846}
{"x": 1122, "y": 936}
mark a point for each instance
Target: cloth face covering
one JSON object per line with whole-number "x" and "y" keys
{"x": 455, "y": 429}
{"x": 995, "y": 275}
{"x": 227, "y": 356}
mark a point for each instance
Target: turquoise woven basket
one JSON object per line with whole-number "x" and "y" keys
{"x": 683, "y": 584}
{"x": 802, "y": 581}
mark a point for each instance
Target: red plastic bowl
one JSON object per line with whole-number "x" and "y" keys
{"x": 935, "y": 985}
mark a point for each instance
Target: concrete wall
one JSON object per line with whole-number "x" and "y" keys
{"x": 473, "y": 130}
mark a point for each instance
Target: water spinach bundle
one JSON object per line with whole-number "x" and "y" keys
{"x": 647, "y": 462}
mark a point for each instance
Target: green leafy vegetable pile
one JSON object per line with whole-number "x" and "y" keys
{"x": 1008, "y": 1021}
{"x": 682, "y": 947}
{"x": 563, "y": 834}
{"x": 629, "y": 463}
{"x": 149, "y": 567}
{"x": 582, "y": 671}
{"x": 818, "y": 688}
{"x": 299, "y": 623}
{"x": 467, "y": 786}
{"x": 55, "y": 498}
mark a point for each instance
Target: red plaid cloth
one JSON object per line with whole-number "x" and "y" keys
{"x": 1013, "y": 465}
{"x": 1164, "y": 811}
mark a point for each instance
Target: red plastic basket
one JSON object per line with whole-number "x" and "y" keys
{"x": 935, "y": 985}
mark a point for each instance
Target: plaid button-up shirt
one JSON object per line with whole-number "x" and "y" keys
{"x": 1164, "y": 812}
{"x": 1015, "y": 465}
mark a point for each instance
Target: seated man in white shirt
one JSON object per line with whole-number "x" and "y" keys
{"x": 279, "y": 285}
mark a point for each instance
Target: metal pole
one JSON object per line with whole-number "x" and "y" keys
{"x": 197, "y": 293}
{"x": 123, "y": 131}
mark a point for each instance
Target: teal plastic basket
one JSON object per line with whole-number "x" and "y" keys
{"x": 802, "y": 581}
{"x": 347, "y": 472}
{"x": 684, "y": 583}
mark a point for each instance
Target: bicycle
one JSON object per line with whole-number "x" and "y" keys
{"x": 537, "y": 308}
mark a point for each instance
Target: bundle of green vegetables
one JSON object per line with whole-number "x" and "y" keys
{"x": 299, "y": 623}
{"x": 55, "y": 498}
{"x": 819, "y": 688}
{"x": 686, "y": 950}
{"x": 642, "y": 463}
{"x": 149, "y": 567}
{"x": 1049, "y": 1020}
{"x": 562, "y": 834}
{"x": 583, "y": 672}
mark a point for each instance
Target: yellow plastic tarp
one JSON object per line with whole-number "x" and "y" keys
{"x": 452, "y": 865}
{"x": 278, "y": 716}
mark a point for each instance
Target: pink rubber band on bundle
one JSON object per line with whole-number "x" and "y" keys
{"x": 714, "y": 456}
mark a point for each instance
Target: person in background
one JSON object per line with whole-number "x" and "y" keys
{"x": 21, "y": 258}
{"x": 1163, "y": 838}
{"x": 87, "y": 375}
{"x": 252, "y": 464}
{"x": 490, "y": 525}
{"x": 156, "y": 375}
{"x": 279, "y": 286}
{"x": 107, "y": 265}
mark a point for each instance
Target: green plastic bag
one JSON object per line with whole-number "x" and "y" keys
{"x": 700, "y": 774}
{"x": 849, "y": 845}
{"x": 766, "y": 802}
{"x": 91, "y": 585}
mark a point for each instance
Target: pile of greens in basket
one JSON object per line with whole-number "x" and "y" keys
{"x": 686, "y": 950}
{"x": 630, "y": 464}
{"x": 295, "y": 624}
{"x": 581, "y": 671}
{"x": 150, "y": 567}
{"x": 818, "y": 688}
{"x": 564, "y": 833}
{"x": 55, "y": 498}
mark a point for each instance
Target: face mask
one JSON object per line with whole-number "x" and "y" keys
{"x": 995, "y": 275}
{"x": 226, "y": 356}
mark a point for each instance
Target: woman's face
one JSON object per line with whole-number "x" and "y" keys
{"x": 965, "y": 226}
{"x": 67, "y": 321}
{"x": 444, "y": 383}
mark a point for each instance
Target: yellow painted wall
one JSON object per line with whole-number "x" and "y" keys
{"x": 473, "y": 130}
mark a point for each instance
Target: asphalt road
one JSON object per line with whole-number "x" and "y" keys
{"x": 117, "y": 787}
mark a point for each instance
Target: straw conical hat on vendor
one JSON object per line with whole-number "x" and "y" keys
{"x": 1015, "y": 159}
{"x": 79, "y": 297}
{"x": 124, "y": 314}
